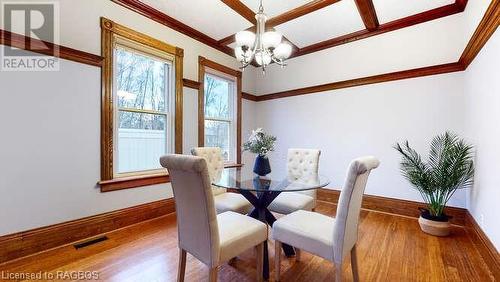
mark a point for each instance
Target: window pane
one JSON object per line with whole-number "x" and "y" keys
{"x": 141, "y": 141}
{"x": 217, "y": 97}
{"x": 217, "y": 135}
{"x": 140, "y": 81}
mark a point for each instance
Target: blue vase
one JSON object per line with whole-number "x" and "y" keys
{"x": 261, "y": 166}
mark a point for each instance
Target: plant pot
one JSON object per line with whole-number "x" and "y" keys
{"x": 437, "y": 226}
{"x": 262, "y": 166}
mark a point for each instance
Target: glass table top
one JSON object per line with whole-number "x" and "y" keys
{"x": 233, "y": 178}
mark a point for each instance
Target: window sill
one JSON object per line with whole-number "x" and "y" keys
{"x": 135, "y": 181}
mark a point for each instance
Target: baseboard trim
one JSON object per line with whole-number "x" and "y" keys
{"x": 33, "y": 241}
{"x": 484, "y": 246}
{"x": 393, "y": 206}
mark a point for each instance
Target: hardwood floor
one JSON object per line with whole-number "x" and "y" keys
{"x": 390, "y": 248}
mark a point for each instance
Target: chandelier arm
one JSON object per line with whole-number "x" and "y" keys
{"x": 279, "y": 62}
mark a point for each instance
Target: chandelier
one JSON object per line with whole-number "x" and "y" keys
{"x": 265, "y": 47}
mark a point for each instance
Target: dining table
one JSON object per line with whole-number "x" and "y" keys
{"x": 260, "y": 191}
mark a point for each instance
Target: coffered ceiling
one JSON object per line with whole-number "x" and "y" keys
{"x": 310, "y": 25}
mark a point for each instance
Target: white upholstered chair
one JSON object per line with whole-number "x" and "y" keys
{"x": 224, "y": 201}
{"x": 211, "y": 238}
{"x": 299, "y": 163}
{"x": 327, "y": 237}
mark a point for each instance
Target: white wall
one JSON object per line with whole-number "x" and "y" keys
{"x": 367, "y": 120}
{"x": 482, "y": 93}
{"x": 50, "y": 124}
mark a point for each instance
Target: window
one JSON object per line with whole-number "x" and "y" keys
{"x": 141, "y": 107}
{"x": 143, "y": 119}
{"x": 219, "y": 116}
{"x": 220, "y": 129}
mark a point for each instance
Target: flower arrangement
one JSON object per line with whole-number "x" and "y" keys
{"x": 260, "y": 143}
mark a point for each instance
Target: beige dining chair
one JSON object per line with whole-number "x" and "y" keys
{"x": 300, "y": 162}
{"x": 224, "y": 201}
{"x": 324, "y": 236}
{"x": 213, "y": 239}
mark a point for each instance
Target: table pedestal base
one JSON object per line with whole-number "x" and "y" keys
{"x": 260, "y": 201}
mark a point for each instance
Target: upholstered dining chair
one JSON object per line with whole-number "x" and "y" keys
{"x": 211, "y": 238}
{"x": 327, "y": 237}
{"x": 299, "y": 163}
{"x": 224, "y": 201}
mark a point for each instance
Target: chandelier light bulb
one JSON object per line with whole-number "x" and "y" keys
{"x": 283, "y": 51}
{"x": 243, "y": 56}
{"x": 271, "y": 39}
{"x": 262, "y": 58}
{"x": 245, "y": 38}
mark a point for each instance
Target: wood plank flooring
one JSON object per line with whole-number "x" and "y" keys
{"x": 390, "y": 248}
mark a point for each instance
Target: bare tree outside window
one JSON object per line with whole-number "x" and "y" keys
{"x": 219, "y": 109}
{"x": 141, "y": 90}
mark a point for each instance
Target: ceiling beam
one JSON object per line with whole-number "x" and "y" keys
{"x": 419, "y": 18}
{"x": 287, "y": 16}
{"x": 484, "y": 31}
{"x": 241, "y": 9}
{"x": 368, "y": 14}
{"x": 300, "y": 11}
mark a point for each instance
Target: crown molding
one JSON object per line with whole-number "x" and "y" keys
{"x": 418, "y": 72}
{"x": 47, "y": 48}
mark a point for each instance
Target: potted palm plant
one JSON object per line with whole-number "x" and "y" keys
{"x": 449, "y": 167}
{"x": 260, "y": 143}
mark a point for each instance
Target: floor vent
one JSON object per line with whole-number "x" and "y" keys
{"x": 90, "y": 242}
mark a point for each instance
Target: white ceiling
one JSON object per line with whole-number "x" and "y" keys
{"x": 330, "y": 22}
{"x": 273, "y": 8}
{"x": 218, "y": 21}
{"x": 389, "y": 10}
{"x": 211, "y": 17}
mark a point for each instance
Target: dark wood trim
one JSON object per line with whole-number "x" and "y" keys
{"x": 393, "y": 206}
{"x": 248, "y": 96}
{"x": 241, "y": 9}
{"x": 109, "y": 31}
{"x": 179, "y": 100}
{"x": 419, "y": 18}
{"x": 201, "y": 102}
{"x": 29, "y": 242}
{"x": 368, "y": 14}
{"x": 300, "y": 11}
{"x": 135, "y": 181}
{"x": 483, "y": 245}
{"x": 196, "y": 85}
{"x": 484, "y": 31}
{"x": 191, "y": 83}
{"x": 425, "y": 71}
{"x": 287, "y": 16}
{"x": 239, "y": 109}
{"x": 150, "y": 12}
{"x": 48, "y": 48}
{"x": 218, "y": 67}
{"x": 204, "y": 63}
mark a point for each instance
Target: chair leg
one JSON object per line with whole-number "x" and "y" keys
{"x": 338, "y": 272}
{"x": 260, "y": 261}
{"x": 297, "y": 254}
{"x": 182, "y": 265}
{"x": 277, "y": 258}
{"x": 213, "y": 274}
{"x": 354, "y": 264}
